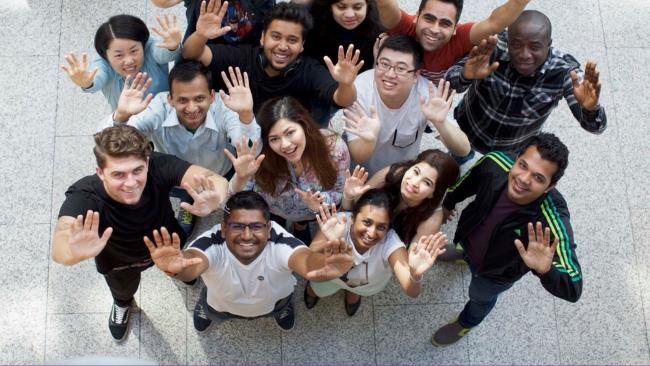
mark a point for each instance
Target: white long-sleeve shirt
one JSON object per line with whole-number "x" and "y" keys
{"x": 221, "y": 129}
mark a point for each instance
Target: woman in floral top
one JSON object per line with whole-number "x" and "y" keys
{"x": 300, "y": 167}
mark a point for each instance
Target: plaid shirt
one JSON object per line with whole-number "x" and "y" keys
{"x": 505, "y": 109}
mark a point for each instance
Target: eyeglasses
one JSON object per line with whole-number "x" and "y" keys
{"x": 385, "y": 66}
{"x": 238, "y": 227}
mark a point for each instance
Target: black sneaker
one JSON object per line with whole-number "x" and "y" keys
{"x": 287, "y": 319}
{"x": 201, "y": 322}
{"x": 118, "y": 322}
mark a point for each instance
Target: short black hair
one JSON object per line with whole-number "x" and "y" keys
{"x": 535, "y": 17}
{"x": 406, "y": 44}
{"x": 376, "y": 197}
{"x": 552, "y": 149}
{"x": 187, "y": 70}
{"x": 457, "y": 3}
{"x": 120, "y": 26}
{"x": 246, "y": 200}
{"x": 290, "y": 12}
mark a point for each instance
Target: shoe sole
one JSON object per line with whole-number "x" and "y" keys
{"x": 206, "y": 329}
{"x": 286, "y": 330}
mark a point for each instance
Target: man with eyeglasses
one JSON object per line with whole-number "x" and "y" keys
{"x": 394, "y": 106}
{"x": 246, "y": 264}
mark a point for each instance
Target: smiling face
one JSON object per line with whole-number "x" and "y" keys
{"x": 246, "y": 245}
{"x": 528, "y": 46}
{"x": 349, "y": 13}
{"x": 282, "y": 43}
{"x": 435, "y": 24}
{"x": 419, "y": 183}
{"x": 530, "y": 177}
{"x": 124, "y": 178}
{"x": 126, "y": 56}
{"x": 395, "y": 89}
{"x": 287, "y": 139}
{"x": 369, "y": 227}
{"x": 192, "y": 101}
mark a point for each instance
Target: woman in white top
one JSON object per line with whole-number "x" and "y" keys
{"x": 378, "y": 252}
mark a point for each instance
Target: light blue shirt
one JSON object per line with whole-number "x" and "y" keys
{"x": 155, "y": 64}
{"x": 221, "y": 129}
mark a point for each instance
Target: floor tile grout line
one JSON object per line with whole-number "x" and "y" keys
{"x": 374, "y": 327}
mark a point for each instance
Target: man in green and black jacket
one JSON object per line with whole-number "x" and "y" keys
{"x": 517, "y": 223}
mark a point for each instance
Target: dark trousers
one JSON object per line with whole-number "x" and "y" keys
{"x": 124, "y": 281}
{"x": 220, "y": 317}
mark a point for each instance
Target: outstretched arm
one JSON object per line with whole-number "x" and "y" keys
{"x": 334, "y": 263}
{"x": 389, "y": 13}
{"x": 77, "y": 239}
{"x": 207, "y": 27}
{"x": 499, "y": 20}
{"x": 410, "y": 267}
{"x": 345, "y": 72}
{"x": 582, "y": 94}
{"x": 166, "y": 254}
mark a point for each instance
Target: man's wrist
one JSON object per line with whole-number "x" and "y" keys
{"x": 416, "y": 278}
{"x": 246, "y": 117}
{"x": 120, "y": 117}
{"x": 462, "y": 79}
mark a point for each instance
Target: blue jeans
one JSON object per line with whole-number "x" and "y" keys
{"x": 483, "y": 295}
{"x": 220, "y": 317}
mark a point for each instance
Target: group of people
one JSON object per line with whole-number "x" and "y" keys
{"x": 264, "y": 152}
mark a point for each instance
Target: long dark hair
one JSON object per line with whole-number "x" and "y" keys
{"x": 327, "y": 35}
{"x": 274, "y": 168}
{"x": 448, "y": 173}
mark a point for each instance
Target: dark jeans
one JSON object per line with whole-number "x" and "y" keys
{"x": 124, "y": 281}
{"x": 220, "y": 317}
{"x": 483, "y": 295}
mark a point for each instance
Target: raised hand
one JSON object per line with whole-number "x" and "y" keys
{"x": 209, "y": 23}
{"x": 241, "y": 98}
{"x": 206, "y": 197}
{"x": 355, "y": 183}
{"x": 366, "y": 128}
{"x": 347, "y": 67}
{"x": 312, "y": 201}
{"x": 84, "y": 240}
{"x": 78, "y": 71}
{"x": 478, "y": 63}
{"x": 381, "y": 38}
{"x": 436, "y": 109}
{"x": 245, "y": 164}
{"x": 329, "y": 223}
{"x": 338, "y": 261}
{"x": 587, "y": 93}
{"x": 166, "y": 252}
{"x": 423, "y": 254}
{"x": 170, "y": 34}
{"x": 539, "y": 255}
{"x": 131, "y": 101}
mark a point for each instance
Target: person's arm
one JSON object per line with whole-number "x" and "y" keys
{"x": 207, "y": 188}
{"x": 389, "y": 13}
{"x": 336, "y": 260}
{"x": 238, "y": 116}
{"x": 208, "y": 26}
{"x": 77, "y": 239}
{"x": 430, "y": 226}
{"x": 410, "y": 266}
{"x": 466, "y": 186}
{"x": 170, "y": 47}
{"x": 166, "y": 254}
{"x": 166, "y": 3}
{"x": 582, "y": 93}
{"x": 498, "y": 21}
{"x": 344, "y": 73}
{"x": 355, "y": 186}
{"x": 245, "y": 164}
{"x": 132, "y": 109}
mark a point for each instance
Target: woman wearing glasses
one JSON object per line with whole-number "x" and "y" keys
{"x": 394, "y": 107}
{"x": 300, "y": 167}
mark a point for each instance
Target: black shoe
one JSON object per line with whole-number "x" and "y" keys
{"x": 303, "y": 235}
{"x": 287, "y": 319}
{"x": 310, "y": 301}
{"x": 351, "y": 309}
{"x": 118, "y": 321}
{"x": 192, "y": 284}
{"x": 201, "y": 322}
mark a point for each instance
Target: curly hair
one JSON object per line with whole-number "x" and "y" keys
{"x": 119, "y": 142}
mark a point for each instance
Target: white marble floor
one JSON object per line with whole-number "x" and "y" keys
{"x": 52, "y": 313}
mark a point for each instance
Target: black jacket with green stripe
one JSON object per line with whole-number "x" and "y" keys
{"x": 502, "y": 262}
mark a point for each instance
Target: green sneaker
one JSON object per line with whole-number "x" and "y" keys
{"x": 449, "y": 334}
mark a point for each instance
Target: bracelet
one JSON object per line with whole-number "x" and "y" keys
{"x": 462, "y": 79}
{"x": 349, "y": 199}
{"x": 414, "y": 281}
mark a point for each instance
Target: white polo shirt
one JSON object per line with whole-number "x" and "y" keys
{"x": 401, "y": 129}
{"x": 253, "y": 289}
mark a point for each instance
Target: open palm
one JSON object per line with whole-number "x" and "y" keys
{"x": 166, "y": 253}
{"x": 439, "y": 103}
{"x": 209, "y": 22}
{"x": 423, "y": 254}
{"x": 85, "y": 241}
{"x": 245, "y": 164}
{"x": 338, "y": 261}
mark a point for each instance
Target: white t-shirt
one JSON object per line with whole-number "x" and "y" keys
{"x": 253, "y": 289}
{"x": 401, "y": 129}
{"x": 371, "y": 270}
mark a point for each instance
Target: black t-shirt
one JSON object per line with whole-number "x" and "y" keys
{"x": 309, "y": 81}
{"x": 130, "y": 223}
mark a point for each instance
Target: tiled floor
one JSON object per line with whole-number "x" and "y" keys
{"x": 52, "y": 313}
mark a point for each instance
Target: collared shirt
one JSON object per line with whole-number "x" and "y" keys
{"x": 205, "y": 146}
{"x": 504, "y": 110}
{"x": 155, "y": 64}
